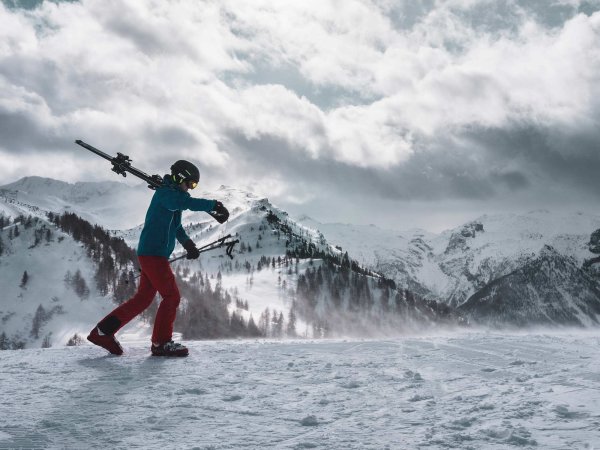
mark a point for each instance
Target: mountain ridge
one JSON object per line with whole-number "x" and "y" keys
{"x": 450, "y": 267}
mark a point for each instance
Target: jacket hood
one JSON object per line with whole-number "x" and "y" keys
{"x": 168, "y": 181}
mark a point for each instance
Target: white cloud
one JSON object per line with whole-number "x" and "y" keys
{"x": 371, "y": 85}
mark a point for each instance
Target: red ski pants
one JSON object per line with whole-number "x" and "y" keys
{"x": 156, "y": 276}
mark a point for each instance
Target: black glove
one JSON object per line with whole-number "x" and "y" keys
{"x": 220, "y": 213}
{"x": 192, "y": 250}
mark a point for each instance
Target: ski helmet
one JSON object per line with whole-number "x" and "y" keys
{"x": 185, "y": 171}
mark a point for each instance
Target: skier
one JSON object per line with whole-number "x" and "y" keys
{"x": 157, "y": 241}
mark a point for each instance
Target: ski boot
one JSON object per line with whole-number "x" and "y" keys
{"x": 169, "y": 349}
{"x": 106, "y": 341}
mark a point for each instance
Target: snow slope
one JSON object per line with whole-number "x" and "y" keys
{"x": 47, "y": 265}
{"x": 475, "y": 390}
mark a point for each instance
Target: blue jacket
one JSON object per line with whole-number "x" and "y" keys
{"x": 163, "y": 219}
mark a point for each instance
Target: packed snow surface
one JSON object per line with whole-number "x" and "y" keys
{"x": 468, "y": 390}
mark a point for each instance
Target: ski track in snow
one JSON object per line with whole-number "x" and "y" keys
{"x": 472, "y": 390}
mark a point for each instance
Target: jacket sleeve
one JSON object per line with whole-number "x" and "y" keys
{"x": 181, "y": 235}
{"x": 179, "y": 201}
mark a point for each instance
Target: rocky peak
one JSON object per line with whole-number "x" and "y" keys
{"x": 549, "y": 289}
{"x": 592, "y": 265}
{"x": 594, "y": 244}
{"x": 458, "y": 239}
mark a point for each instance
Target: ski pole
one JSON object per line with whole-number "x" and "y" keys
{"x": 214, "y": 245}
{"x": 205, "y": 248}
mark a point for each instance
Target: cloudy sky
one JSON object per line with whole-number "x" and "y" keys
{"x": 400, "y": 113}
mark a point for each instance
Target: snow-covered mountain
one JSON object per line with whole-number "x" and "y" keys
{"x": 454, "y": 264}
{"x": 287, "y": 275}
{"x": 281, "y": 282}
{"x": 111, "y": 204}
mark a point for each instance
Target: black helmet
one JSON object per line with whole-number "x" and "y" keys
{"x": 185, "y": 171}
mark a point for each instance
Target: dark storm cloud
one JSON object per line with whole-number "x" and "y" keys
{"x": 23, "y": 132}
{"x": 571, "y": 159}
{"x": 423, "y": 176}
{"x": 483, "y": 163}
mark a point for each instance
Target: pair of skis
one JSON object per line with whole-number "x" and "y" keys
{"x": 121, "y": 165}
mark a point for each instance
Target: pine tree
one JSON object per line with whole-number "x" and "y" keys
{"x": 125, "y": 287}
{"x": 46, "y": 343}
{"x": 291, "y": 327}
{"x": 24, "y": 279}
{"x": 237, "y": 325}
{"x": 277, "y": 324}
{"x": 80, "y": 286}
{"x": 75, "y": 340}
{"x": 263, "y": 322}
{"x": 253, "y": 330}
{"x": 4, "y": 342}
{"x": 219, "y": 285}
{"x": 16, "y": 344}
{"x": 38, "y": 321}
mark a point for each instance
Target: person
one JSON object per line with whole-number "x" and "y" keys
{"x": 157, "y": 241}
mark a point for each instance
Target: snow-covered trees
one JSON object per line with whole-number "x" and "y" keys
{"x": 47, "y": 342}
{"x": 337, "y": 298}
{"x": 75, "y": 340}
{"x": 125, "y": 287}
{"x": 291, "y": 325}
{"x": 14, "y": 343}
{"x": 205, "y": 314}
{"x": 78, "y": 284}
{"x": 113, "y": 257}
{"x": 41, "y": 317}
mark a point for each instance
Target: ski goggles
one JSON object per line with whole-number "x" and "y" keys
{"x": 192, "y": 184}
